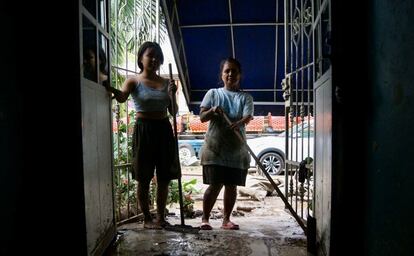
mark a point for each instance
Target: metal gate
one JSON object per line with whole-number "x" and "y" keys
{"x": 298, "y": 96}
{"x": 305, "y": 28}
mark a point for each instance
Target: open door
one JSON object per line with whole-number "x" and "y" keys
{"x": 308, "y": 103}
{"x": 323, "y": 126}
{"x": 96, "y": 126}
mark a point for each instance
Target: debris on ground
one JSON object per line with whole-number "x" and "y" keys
{"x": 245, "y": 208}
{"x": 258, "y": 187}
{"x": 191, "y": 161}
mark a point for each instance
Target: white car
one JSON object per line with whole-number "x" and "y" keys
{"x": 270, "y": 150}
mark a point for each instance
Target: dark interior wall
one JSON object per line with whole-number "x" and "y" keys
{"x": 43, "y": 180}
{"x": 10, "y": 132}
{"x": 389, "y": 221}
{"x": 351, "y": 110}
{"x": 372, "y": 63}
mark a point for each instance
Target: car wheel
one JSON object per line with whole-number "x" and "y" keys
{"x": 185, "y": 151}
{"x": 272, "y": 162}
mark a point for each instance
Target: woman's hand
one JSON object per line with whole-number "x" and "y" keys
{"x": 245, "y": 120}
{"x": 206, "y": 114}
{"x": 217, "y": 110}
{"x": 236, "y": 125}
{"x": 172, "y": 87}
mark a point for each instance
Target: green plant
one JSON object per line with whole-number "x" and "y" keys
{"x": 125, "y": 186}
{"x": 122, "y": 135}
{"x": 188, "y": 189}
{"x": 125, "y": 194}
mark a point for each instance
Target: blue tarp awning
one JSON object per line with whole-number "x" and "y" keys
{"x": 205, "y": 32}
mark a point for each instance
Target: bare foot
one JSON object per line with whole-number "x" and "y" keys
{"x": 149, "y": 224}
{"x": 162, "y": 223}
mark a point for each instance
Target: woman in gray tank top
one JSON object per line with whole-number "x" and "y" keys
{"x": 153, "y": 142}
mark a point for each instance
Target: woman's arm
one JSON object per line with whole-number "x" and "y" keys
{"x": 247, "y": 112}
{"x": 123, "y": 94}
{"x": 206, "y": 114}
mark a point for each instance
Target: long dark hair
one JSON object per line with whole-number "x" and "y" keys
{"x": 144, "y": 46}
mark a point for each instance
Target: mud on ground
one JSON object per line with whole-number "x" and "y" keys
{"x": 266, "y": 228}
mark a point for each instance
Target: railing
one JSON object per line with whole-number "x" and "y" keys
{"x": 125, "y": 193}
{"x": 127, "y": 208}
{"x": 299, "y": 99}
{"x": 300, "y": 186}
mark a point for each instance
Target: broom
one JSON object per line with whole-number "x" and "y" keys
{"x": 178, "y": 227}
{"x": 227, "y": 119}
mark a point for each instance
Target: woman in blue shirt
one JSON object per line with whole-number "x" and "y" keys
{"x": 225, "y": 159}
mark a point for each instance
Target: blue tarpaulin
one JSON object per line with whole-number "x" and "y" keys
{"x": 205, "y": 32}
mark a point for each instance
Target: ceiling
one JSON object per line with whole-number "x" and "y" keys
{"x": 203, "y": 33}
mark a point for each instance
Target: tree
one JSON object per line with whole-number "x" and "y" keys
{"x": 132, "y": 23}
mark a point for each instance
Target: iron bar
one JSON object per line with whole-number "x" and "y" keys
{"x": 294, "y": 214}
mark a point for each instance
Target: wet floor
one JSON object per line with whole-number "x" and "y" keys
{"x": 267, "y": 229}
{"x": 276, "y": 234}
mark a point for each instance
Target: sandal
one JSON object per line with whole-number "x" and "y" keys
{"x": 230, "y": 225}
{"x": 206, "y": 226}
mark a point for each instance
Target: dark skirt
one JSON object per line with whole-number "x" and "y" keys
{"x": 216, "y": 174}
{"x": 153, "y": 148}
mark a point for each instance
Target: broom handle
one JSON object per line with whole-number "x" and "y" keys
{"x": 180, "y": 190}
{"x": 294, "y": 214}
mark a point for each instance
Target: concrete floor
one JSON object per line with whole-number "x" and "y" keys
{"x": 266, "y": 230}
{"x": 276, "y": 234}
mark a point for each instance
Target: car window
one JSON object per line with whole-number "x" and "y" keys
{"x": 296, "y": 130}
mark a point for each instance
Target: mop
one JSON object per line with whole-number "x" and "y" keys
{"x": 179, "y": 227}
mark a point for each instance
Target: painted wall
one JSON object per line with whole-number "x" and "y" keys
{"x": 10, "y": 137}
{"x": 373, "y": 123}
{"x": 389, "y": 221}
{"x": 43, "y": 179}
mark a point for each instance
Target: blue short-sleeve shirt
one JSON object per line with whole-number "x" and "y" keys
{"x": 222, "y": 146}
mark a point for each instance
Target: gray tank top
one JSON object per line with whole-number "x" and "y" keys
{"x": 147, "y": 99}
